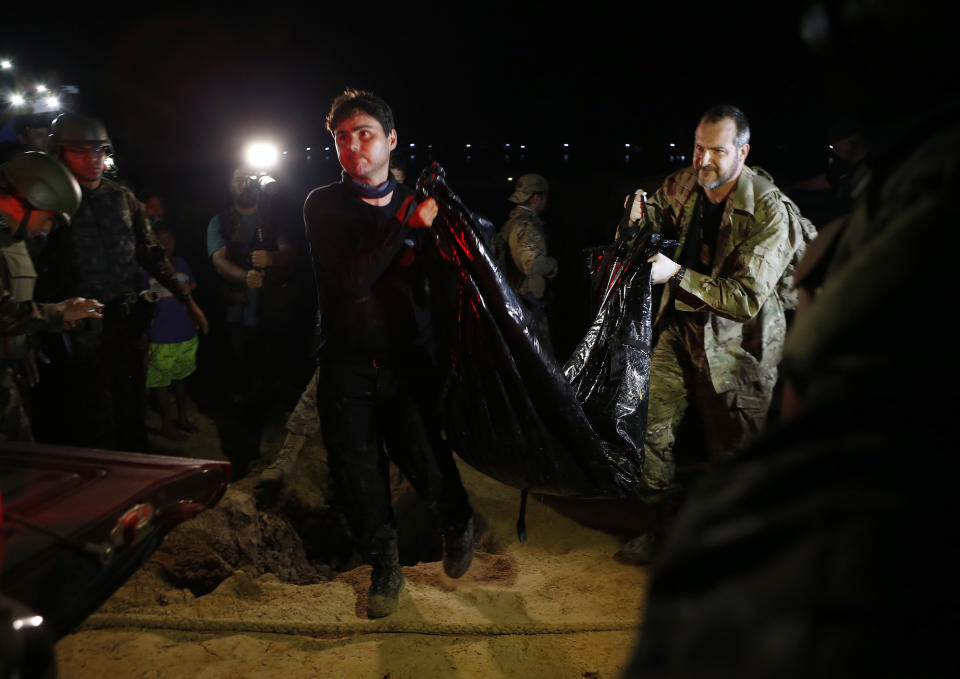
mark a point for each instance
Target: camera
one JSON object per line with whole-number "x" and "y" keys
{"x": 260, "y": 157}
{"x": 261, "y": 182}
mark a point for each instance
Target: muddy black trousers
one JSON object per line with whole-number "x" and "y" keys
{"x": 368, "y": 412}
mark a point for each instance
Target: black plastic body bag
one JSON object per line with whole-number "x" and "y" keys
{"x": 509, "y": 410}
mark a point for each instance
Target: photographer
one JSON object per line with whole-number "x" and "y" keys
{"x": 250, "y": 256}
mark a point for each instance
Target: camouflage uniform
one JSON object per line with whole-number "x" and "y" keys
{"x": 18, "y": 316}
{"x": 720, "y": 333}
{"x": 96, "y": 382}
{"x": 304, "y": 420}
{"x": 522, "y": 255}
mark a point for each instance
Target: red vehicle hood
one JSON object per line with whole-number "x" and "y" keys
{"x": 76, "y": 522}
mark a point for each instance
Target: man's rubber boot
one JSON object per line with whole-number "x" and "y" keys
{"x": 386, "y": 581}
{"x": 458, "y": 547}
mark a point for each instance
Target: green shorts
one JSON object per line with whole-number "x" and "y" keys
{"x": 171, "y": 362}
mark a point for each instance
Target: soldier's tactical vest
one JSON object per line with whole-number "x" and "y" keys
{"x": 96, "y": 255}
{"x": 805, "y": 231}
{"x": 23, "y": 279}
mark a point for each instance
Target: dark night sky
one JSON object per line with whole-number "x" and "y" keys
{"x": 459, "y": 71}
{"x": 181, "y": 90}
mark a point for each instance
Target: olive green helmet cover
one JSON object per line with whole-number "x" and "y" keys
{"x": 44, "y": 182}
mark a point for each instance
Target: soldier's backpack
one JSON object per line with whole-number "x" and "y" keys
{"x": 803, "y": 231}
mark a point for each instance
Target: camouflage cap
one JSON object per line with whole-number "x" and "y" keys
{"x": 526, "y": 186}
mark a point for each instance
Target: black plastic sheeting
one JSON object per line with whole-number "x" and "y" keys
{"x": 510, "y": 410}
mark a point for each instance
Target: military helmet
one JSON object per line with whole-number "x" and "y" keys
{"x": 70, "y": 128}
{"x": 44, "y": 182}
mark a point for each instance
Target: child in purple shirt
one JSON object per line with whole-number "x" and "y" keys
{"x": 173, "y": 346}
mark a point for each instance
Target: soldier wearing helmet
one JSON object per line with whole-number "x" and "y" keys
{"x": 101, "y": 367}
{"x": 35, "y": 192}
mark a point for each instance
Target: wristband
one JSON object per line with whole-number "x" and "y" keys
{"x": 677, "y": 277}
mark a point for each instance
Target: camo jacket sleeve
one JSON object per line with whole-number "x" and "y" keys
{"x": 754, "y": 247}
{"x": 760, "y": 253}
{"x": 528, "y": 247}
{"x": 21, "y": 318}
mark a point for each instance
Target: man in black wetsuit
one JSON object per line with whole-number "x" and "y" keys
{"x": 378, "y": 378}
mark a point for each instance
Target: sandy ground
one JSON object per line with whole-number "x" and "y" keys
{"x": 555, "y": 606}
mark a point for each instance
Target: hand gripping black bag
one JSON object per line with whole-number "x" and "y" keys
{"x": 509, "y": 409}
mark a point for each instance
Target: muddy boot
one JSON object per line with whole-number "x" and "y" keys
{"x": 272, "y": 478}
{"x": 386, "y": 581}
{"x": 644, "y": 548}
{"x": 458, "y": 547}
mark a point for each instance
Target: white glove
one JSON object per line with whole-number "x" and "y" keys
{"x": 663, "y": 268}
{"x": 637, "y": 209}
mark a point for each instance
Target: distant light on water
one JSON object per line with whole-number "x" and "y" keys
{"x": 31, "y": 621}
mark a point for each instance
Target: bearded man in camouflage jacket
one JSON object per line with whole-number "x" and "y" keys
{"x": 721, "y": 324}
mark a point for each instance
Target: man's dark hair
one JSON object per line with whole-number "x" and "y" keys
{"x": 353, "y": 100}
{"x": 715, "y": 114}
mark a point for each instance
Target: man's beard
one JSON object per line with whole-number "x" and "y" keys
{"x": 716, "y": 183}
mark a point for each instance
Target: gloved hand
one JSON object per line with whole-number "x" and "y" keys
{"x": 663, "y": 268}
{"x": 422, "y": 215}
{"x": 637, "y": 210}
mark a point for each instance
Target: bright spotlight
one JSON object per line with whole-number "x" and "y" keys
{"x": 41, "y": 88}
{"x": 17, "y": 99}
{"x": 6, "y": 64}
{"x": 53, "y": 103}
{"x": 261, "y": 156}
